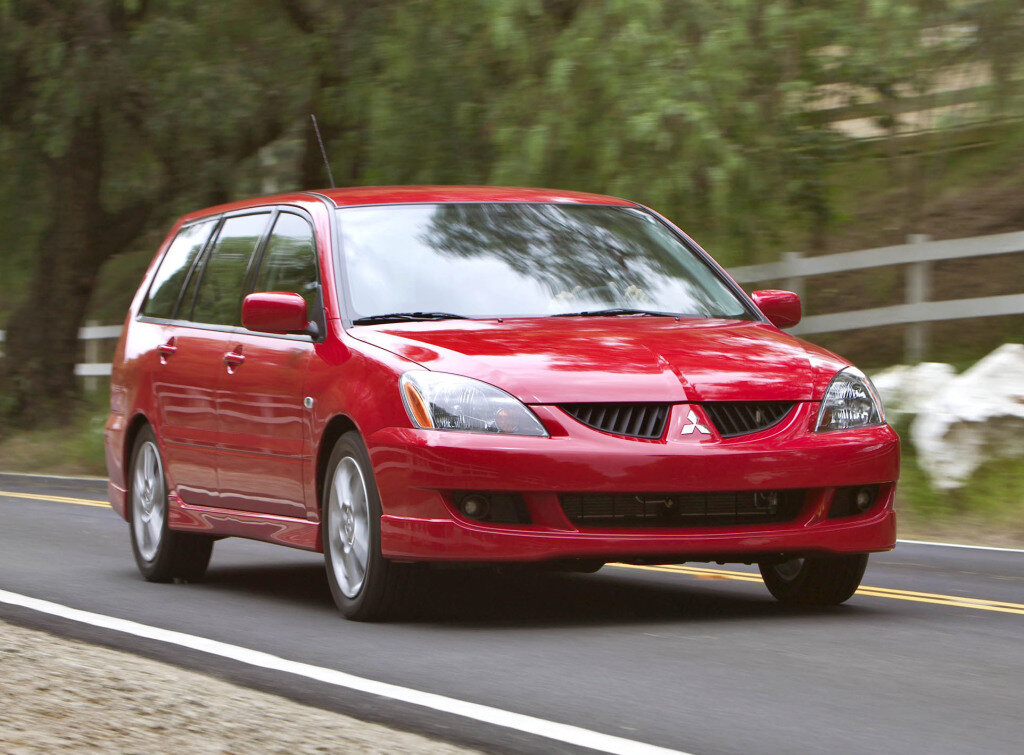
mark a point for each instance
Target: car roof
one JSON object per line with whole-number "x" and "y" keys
{"x": 377, "y": 195}
{"x": 411, "y": 194}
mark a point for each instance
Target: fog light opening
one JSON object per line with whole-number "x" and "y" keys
{"x": 475, "y": 506}
{"x": 767, "y": 501}
{"x": 865, "y": 498}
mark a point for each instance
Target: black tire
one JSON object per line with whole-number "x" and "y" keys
{"x": 819, "y": 581}
{"x": 167, "y": 555}
{"x": 586, "y": 566}
{"x": 574, "y": 566}
{"x": 386, "y": 585}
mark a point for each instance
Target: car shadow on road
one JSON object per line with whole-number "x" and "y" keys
{"x": 533, "y": 599}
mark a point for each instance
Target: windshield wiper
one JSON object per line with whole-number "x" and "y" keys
{"x": 615, "y": 311}
{"x": 406, "y": 317}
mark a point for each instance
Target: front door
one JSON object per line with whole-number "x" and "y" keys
{"x": 260, "y": 401}
{"x": 211, "y": 305}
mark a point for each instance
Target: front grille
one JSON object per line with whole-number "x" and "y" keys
{"x": 734, "y": 418}
{"x": 631, "y": 420}
{"x": 712, "y": 509}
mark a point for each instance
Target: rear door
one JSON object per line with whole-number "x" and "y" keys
{"x": 260, "y": 402}
{"x": 180, "y": 362}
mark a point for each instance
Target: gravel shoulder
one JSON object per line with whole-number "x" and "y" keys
{"x": 64, "y": 695}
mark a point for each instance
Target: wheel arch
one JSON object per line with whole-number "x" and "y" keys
{"x": 135, "y": 426}
{"x": 337, "y": 426}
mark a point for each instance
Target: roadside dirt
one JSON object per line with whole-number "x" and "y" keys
{"x": 59, "y": 695}
{"x": 963, "y": 530}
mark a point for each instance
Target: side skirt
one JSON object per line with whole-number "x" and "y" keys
{"x": 283, "y": 530}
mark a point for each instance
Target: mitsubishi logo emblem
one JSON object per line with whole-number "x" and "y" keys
{"x": 694, "y": 426}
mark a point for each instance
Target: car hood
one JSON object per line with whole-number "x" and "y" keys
{"x": 570, "y": 359}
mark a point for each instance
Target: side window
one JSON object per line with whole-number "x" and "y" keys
{"x": 289, "y": 264}
{"x": 219, "y": 298}
{"x": 163, "y": 293}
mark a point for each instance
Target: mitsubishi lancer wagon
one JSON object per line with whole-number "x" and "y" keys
{"x": 410, "y": 375}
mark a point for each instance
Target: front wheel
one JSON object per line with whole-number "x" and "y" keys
{"x": 819, "y": 581}
{"x": 365, "y": 585}
{"x": 161, "y": 554}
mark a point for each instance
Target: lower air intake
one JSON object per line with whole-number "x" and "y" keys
{"x": 719, "y": 508}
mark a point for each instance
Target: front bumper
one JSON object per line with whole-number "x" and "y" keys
{"x": 417, "y": 470}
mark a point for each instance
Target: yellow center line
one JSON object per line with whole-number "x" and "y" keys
{"x": 982, "y": 601}
{"x": 57, "y": 498}
{"x": 981, "y": 604}
{"x": 959, "y": 601}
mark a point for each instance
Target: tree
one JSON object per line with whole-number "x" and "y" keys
{"x": 694, "y": 108}
{"x": 123, "y": 108}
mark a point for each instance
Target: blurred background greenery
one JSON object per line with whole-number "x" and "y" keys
{"x": 760, "y": 126}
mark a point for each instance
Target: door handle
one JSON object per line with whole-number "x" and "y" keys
{"x": 167, "y": 349}
{"x": 234, "y": 358}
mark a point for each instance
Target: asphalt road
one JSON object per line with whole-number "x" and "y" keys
{"x": 698, "y": 658}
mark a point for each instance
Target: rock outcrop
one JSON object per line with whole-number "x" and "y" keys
{"x": 906, "y": 389}
{"x": 974, "y": 417}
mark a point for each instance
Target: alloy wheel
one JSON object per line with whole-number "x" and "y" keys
{"x": 789, "y": 570}
{"x": 349, "y": 526}
{"x": 148, "y": 501}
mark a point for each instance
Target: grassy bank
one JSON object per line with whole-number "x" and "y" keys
{"x": 988, "y": 510}
{"x": 74, "y": 449}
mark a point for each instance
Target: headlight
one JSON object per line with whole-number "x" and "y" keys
{"x": 850, "y": 401}
{"x": 439, "y": 401}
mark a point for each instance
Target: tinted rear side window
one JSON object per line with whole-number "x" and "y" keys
{"x": 163, "y": 294}
{"x": 219, "y": 297}
{"x": 289, "y": 263}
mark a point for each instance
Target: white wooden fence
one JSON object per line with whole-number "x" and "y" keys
{"x": 91, "y": 335}
{"x": 917, "y": 310}
{"x": 794, "y": 269}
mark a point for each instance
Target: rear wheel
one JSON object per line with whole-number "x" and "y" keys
{"x": 819, "y": 581}
{"x": 365, "y": 585}
{"x": 161, "y": 554}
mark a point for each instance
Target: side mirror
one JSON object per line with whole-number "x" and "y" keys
{"x": 782, "y": 308}
{"x": 274, "y": 312}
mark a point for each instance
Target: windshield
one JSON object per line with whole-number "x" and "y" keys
{"x": 486, "y": 260}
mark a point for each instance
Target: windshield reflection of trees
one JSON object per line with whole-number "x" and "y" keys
{"x": 604, "y": 255}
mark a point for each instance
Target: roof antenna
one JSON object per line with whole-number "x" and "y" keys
{"x": 323, "y": 151}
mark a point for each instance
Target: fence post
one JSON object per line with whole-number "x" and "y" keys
{"x": 92, "y": 355}
{"x": 794, "y": 282}
{"x": 918, "y": 289}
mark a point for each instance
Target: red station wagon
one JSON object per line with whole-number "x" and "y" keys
{"x": 401, "y": 375}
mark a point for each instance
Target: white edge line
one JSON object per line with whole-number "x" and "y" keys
{"x": 573, "y": 735}
{"x": 961, "y": 545}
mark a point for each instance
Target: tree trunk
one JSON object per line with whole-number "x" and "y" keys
{"x": 39, "y": 385}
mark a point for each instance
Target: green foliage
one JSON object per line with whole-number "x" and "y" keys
{"x": 183, "y": 95}
{"x": 715, "y": 112}
{"x": 701, "y": 108}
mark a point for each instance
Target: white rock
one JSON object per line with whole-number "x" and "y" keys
{"x": 905, "y": 389}
{"x": 978, "y": 416}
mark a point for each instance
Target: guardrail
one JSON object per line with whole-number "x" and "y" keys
{"x": 919, "y": 253}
